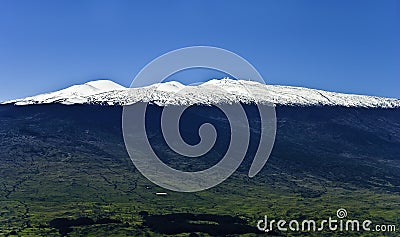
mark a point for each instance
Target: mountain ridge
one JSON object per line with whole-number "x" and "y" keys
{"x": 106, "y": 92}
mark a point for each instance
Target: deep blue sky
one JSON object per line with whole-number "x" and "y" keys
{"x": 345, "y": 46}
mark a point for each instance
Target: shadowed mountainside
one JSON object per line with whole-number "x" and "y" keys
{"x": 70, "y": 162}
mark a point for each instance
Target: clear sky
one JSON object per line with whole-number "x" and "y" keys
{"x": 345, "y": 46}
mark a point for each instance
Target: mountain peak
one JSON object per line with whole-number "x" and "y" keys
{"x": 105, "y": 85}
{"x": 76, "y": 94}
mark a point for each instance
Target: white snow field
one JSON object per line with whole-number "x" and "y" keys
{"x": 215, "y": 91}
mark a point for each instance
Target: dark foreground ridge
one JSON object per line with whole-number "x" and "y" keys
{"x": 64, "y": 224}
{"x": 215, "y": 225}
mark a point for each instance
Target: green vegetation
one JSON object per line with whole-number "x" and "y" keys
{"x": 61, "y": 185}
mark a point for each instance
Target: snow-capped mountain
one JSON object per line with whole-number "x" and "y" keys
{"x": 212, "y": 92}
{"x": 77, "y": 94}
